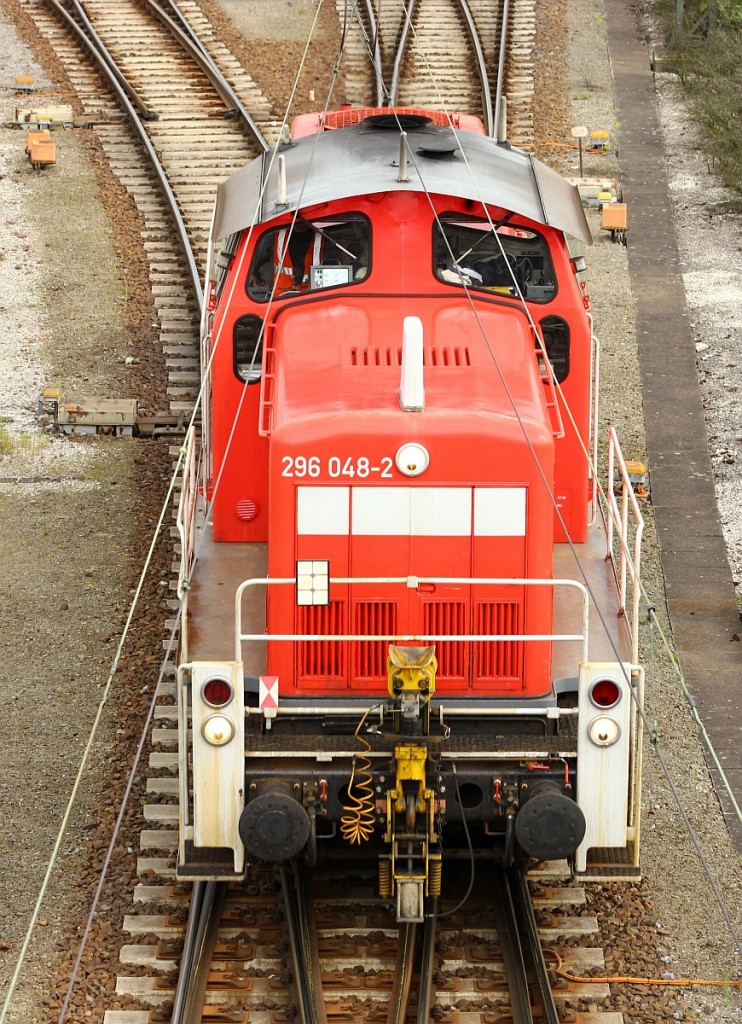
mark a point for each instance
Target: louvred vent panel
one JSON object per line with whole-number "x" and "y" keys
{"x": 499, "y": 659}
{"x": 321, "y": 659}
{"x": 391, "y": 355}
{"x": 354, "y": 115}
{"x": 378, "y": 617}
{"x": 447, "y": 617}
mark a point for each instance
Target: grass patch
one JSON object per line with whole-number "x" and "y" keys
{"x": 7, "y": 442}
{"x": 33, "y": 442}
{"x": 27, "y": 443}
{"x": 708, "y": 62}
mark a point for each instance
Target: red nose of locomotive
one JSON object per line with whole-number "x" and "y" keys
{"x": 433, "y": 479}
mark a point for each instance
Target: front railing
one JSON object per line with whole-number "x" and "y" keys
{"x": 413, "y": 582}
{"x": 594, "y": 418}
{"x": 185, "y": 519}
{"x": 624, "y": 529}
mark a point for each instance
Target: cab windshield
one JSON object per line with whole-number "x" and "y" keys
{"x": 505, "y": 261}
{"x": 309, "y": 255}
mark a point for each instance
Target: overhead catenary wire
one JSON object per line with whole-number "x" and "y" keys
{"x": 655, "y": 745}
{"x": 54, "y": 856}
{"x": 113, "y": 670}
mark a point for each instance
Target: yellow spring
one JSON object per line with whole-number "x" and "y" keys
{"x": 385, "y": 877}
{"x": 357, "y": 824}
{"x": 435, "y": 870}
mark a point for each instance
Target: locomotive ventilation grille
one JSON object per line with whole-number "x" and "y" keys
{"x": 391, "y": 355}
{"x": 369, "y": 655}
{"x": 499, "y": 659}
{"x": 322, "y": 659}
{"x": 492, "y": 659}
{"x": 354, "y": 115}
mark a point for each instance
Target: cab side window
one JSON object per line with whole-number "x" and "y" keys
{"x": 507, "y": 260}
{"x": 224, "y": 259}
{"x": 247, "y": 348}
{"x": 309, "y": 255}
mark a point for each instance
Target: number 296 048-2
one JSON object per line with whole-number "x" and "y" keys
{"x": 336, "y": 467}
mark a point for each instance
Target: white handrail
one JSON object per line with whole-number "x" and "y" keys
{"x": 413, "y": 582}
{"x": 627, "y": 567}
{"x": 594, "y": 421}
{"x": 186, "y": 514}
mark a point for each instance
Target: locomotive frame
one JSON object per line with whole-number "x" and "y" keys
{"x": 416, "y": 428}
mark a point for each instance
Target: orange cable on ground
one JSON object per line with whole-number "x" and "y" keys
{"x": 627, "y": 979}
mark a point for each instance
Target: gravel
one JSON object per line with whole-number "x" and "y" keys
{"x": 75, "y": 516}
{"x": 77, "y": 513}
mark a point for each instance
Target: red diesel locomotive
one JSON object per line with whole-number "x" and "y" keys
{"x": 391, "y": 555}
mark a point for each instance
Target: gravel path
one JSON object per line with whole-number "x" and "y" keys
{"x": 70, "y": 313}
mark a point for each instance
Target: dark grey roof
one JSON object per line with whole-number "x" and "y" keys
{"x": 362, "y": 160}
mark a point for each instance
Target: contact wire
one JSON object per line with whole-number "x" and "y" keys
{"x": 84, "y": 761}
{"x": 109, "y": 682}
{"x": 675, "y": 792}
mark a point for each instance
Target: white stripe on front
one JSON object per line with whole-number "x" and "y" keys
{"x": 381, "y": 512}
{"x": 499, "y": 511}
{"x": 411, "y": 511}
{"x": 440, "y": 511}
{"x": 323, "y": 511}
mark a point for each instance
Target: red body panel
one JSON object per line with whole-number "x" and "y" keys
{"x": 333, "y": 357}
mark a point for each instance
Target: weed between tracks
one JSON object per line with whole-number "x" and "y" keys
{"x": 28, "y": 442}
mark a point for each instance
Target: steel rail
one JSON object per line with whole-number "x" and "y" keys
{"x": 488, "y": 117}
{"x": 527, "y": 975}
{"x": 512, "y": 950}
{"x": 401, "y": 50}
{"x": 302, "y": 935}
{"x": 535, "y": 963}
{"x": 188, "y": 39}
{"x": 501, "y": 68}
{"x": 113, "y": 75}
{"x": 202, "y": 927}
{"x": 403, "y": 971}
{"x": 426, "y": 986}
{"x": 381, "y": 100}
{"x": 136, "y": 110}
{"x": 100, "y": 54}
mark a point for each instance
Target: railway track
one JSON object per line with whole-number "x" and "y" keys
{"x": 196, "y": 130}
{"x": 281, "y": 951}
{"x": 453, "y": 54}
{"x": 336, "y": 954}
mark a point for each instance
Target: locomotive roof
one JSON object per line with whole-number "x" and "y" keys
{"x": 364, "y": 159}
